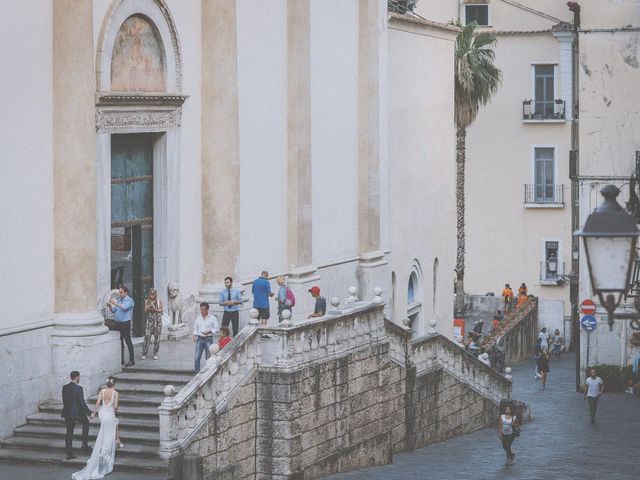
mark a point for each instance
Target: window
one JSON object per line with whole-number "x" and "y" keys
{"x": 551, "y": 259}
{"x": 411, "y": 290}
{"x": 476, "y": 13}
{"x": 543, "y": 90}
{"x": 544, "y": 173}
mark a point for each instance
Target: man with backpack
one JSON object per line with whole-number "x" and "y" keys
{"x": 286, "y": 298}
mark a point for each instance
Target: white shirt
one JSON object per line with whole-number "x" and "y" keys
{"x": 544, "y": 339}
{"x": 205, "y": 327}
{"x": 593, "y": 386}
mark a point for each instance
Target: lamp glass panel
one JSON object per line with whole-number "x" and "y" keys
{"x": 609, "y": 259}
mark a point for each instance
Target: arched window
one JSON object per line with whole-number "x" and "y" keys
{"x": 411, "y": 290}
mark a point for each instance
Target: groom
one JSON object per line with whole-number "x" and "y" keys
{"x": 74, "y": 409}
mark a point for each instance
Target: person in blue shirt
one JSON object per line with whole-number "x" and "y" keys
{"x": 261, "y": 290}
{"x": 231, "y": 300}
{"x": 124, "y": 313}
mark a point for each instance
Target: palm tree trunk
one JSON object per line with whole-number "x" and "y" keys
{"x": 461, "y": 134}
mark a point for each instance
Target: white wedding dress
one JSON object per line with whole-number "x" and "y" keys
{"x": 101, "y": 461}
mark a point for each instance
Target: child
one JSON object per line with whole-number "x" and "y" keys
{"x": 224, "y": 337}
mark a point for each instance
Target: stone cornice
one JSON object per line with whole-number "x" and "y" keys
{"x": 125, "y": 112}
{"x": 106, "y": 99}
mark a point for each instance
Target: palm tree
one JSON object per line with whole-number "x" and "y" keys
{"x": 476, "y": 81}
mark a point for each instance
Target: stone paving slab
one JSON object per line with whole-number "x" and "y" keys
{"x": 559, "y": 442}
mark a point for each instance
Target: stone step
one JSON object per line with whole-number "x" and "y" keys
{"x": 153, "y": 377}
{"x": 28, "y": 432}
{"x": 137, "y": 388}
{"x": 139, "y": 399}
{"x": 42, "y": 443}
{"x": 46, "y": 455}
{"x": 159, "y": 371}
{"x": 124, "y": 411}
{"x": 45, "y": 418}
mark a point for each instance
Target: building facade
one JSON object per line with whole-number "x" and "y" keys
{"x": 153, "y": 141}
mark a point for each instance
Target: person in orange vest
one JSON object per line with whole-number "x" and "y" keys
{"x": 521, "y": 300}
{"x": 507, "y": 295}
{"x": 523, "y": 290}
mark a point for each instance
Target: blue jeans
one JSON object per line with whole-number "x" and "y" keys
{"x": 202, "y": 344}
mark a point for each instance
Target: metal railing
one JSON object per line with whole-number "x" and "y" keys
{"x": 543, "y": 194}
{"x": 550, "y": 271}
{"x": 543, "y": 110}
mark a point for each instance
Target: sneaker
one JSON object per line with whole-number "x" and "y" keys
{"x": 143, "y": 357}
{"x": 155, "y": 357}
{"x": 120, "y": 445}
{"x": 629, "y": 390}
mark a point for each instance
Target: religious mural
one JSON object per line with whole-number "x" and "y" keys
{"x": 137, "y": 63}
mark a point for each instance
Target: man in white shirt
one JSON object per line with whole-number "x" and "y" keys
{"x": 593, "y": 388}
{"x": 204, "y": 328}
{"x": 544, "y": 338}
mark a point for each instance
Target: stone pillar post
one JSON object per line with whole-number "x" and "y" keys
{"x": 220, "y": 146}
{"x": 80, "y": 340}
{"x": 299, "y": 226}
{"x": 372, "y": 259}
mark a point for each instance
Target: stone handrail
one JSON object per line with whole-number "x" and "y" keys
{"x": 182, "y": 414}
{"x": 333, "y": 334}
{"x": 435, "y": 350}
{"x": 399, "y": 342}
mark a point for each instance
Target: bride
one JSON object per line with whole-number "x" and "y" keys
{"x": 101, "y": 461}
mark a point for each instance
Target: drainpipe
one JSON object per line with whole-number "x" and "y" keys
{"x": 574, "y": 174}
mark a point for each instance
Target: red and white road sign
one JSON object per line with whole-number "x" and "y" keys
{"x": 588, "y": 307}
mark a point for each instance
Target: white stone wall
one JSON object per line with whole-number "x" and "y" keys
{"x": 421, "y": 169}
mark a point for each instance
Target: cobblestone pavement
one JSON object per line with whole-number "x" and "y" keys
{"x": 559, "y": 442}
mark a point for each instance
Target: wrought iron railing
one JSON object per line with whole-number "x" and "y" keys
{"x": 543, "y": 110}
{"x": 543, "y": 194}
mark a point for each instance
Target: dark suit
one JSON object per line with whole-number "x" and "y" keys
{"x": 74, "y": 409}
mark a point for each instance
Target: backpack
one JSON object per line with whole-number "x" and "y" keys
{"x": 290, "y": 297}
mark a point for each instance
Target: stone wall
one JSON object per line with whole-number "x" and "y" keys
{"x": 337, "y": 415}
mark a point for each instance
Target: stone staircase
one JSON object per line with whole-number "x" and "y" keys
{"x": 41, "y": 439}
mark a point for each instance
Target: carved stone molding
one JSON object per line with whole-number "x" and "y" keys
{"x": 139, "y": 112}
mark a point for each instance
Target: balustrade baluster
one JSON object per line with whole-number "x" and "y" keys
{"x": 242, "y": 360}
{"x": 314, "y": 342}
{"x": 367, "y": 319}
{"x": 331, "y": 337}
{"x": 297, "y": 346}
{"x": 306, "y": 345}
{"x": 359, "y": 329}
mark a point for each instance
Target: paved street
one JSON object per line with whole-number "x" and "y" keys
{"x": 559, "y": 442}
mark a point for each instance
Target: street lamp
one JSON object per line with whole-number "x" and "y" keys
{"x": 610, "y": 237}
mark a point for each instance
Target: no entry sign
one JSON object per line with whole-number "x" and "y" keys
{"x": 588, "y": 307}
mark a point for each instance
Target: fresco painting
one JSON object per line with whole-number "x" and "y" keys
{"x": 137, "y": 63}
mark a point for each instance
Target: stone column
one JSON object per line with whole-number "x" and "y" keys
{"x": 299, "y": 226}
{"x": 372, "y": 260}
{"x": 80, "y": 340}
{"x": 220, "y": 146}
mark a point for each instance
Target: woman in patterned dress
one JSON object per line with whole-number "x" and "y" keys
{"x": 153, "y": 311}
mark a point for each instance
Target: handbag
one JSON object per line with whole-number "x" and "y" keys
{"x": 516, "y": 428}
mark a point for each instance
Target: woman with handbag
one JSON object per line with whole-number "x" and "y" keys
{"x": 153, "y": 310}
{"x": 508, "y": 429}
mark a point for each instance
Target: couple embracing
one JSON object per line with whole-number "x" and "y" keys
{"x": 75, "y": 409}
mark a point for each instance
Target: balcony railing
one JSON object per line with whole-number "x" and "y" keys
{"x": 543, "y": 110}
{"x": 543, "y": 194}
{"x": 551, "y": 271}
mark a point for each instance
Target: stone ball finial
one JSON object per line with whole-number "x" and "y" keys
{"x": 286, "y": 318}
{"x": 169, "y": 391}
{"x": 214, "y": 348}
{"x": 378, "y": 295}
{"x": 508, "y": 370}
{"x": 353, "y": 297}
{"x": 335, "y": 302}
{"x": 253, "y": 314}
{"x": 407, "y": 322}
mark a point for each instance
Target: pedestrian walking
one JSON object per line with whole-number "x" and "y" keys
{"x": 153, "y": 310}
{"x": 544, "y": 338}
{"x": 230, "y": 299}
{"x": 205, "y": 326}
{"x": 320, "y": 307}
{"x": 286, "y": 298}
{"x": 593, "y": 388}
{"x": 537, "y": 351}
{"x": 75, "y": 409}
{"x": 634, "y": 383}
{"x": 558, "y": 341}
{"x": 507, "y": 296}
{"x": 543, "y": 366}
{"x": 508, "y": 430}
{"x": 261, "y": 290}
{"x": 123, "y": 314}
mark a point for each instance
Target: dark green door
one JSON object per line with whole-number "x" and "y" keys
{"x": 132, "y": 218}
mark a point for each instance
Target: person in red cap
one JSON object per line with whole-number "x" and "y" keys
{"x": 321, "y": 303}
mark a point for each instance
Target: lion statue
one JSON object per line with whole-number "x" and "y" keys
{"x": 177, "y": 306}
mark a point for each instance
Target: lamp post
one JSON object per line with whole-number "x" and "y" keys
{"x": 609, "y": 236}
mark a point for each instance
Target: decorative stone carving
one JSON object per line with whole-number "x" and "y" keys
{"x": 176, "y": 307}
{"x": 103, "y": 304}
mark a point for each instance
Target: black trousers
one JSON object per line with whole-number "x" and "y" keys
{"x": 125, "y": 337}
{"x": 71, "y": 425}
{"x": 233, "y": 318}
{"x": 507, "y": 440}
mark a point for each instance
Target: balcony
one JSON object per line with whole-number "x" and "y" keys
{"x": 543, "y": 111}
{"x": 543, "y": 196}
{"x": 551, "y": 272}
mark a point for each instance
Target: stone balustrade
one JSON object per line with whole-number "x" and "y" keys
{"x": 333, "y": 334}
{"x": 182, "y": 413}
